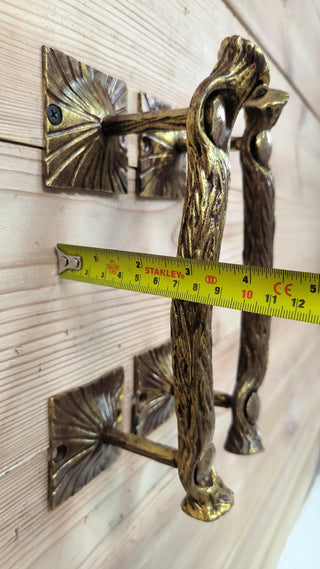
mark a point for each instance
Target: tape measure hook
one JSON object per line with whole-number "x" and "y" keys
{"x": 65, "y": 262}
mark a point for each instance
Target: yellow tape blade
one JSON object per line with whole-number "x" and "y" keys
{"x": 272, "y": 292}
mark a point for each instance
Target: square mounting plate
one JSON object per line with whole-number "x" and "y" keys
{"x": 77, "y": 419}
{"x": 76, "y": 153}
{"x": 161, "y": 166}
{"x": 153, "y": 385}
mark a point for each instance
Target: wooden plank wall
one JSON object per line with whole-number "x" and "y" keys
{"x": 57, "y": 335}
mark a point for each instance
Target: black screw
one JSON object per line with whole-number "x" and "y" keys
{"x": 54, "y": 114}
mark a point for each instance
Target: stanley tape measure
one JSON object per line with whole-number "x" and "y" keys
{"x": 273, "y": 292}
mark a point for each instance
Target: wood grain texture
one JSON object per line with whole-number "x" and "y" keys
{"x": 290, "y": 35}
{"x": 54, "y": 334}
{"x": 32, "y": 537}
{"x": 57, "y": 335}
{"x": 112, "y": 37}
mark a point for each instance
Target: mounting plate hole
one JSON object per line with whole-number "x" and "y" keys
{"x": 147, "y": 144}
{"x": 59, "y": 453}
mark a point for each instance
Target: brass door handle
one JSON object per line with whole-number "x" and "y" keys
{"x": 240, "y": 78}
{"x": 258, "y": 188}
{"x": 241, "y": 73}
{"x": 259, "y": 224}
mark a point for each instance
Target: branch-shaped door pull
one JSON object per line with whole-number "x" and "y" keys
{"x": 259, "y": 224}
{"x": 239, "y": 79}
{"x": 241, "y": 72}
{"x": 154, "y": 376}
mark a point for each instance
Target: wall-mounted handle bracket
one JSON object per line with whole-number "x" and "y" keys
{"x": 85, "y": 126}
{"x": 85, "y": 432}
{"x": 84, "y": 425}
{"x": 86, "y": 123}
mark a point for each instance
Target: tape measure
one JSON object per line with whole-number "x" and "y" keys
{"x": 273, "y": 292}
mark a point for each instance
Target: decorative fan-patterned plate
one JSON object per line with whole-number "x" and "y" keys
{"x": 77, "y": 420}
{"x": 162, "y": 163}
{"x": 153, "y": 380}
{"x": 77, "y": 155}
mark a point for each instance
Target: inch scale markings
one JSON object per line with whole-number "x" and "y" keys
{"x": 274, "y": 292}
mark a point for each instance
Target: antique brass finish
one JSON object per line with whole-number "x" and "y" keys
{"x": 140, "y": 445}
{"x": 85, "y": 124}
{"x": 77, "y": 421}
{"x": 84, "y": 428}
{"x": 137, "y": 123}
{"x": 153, "y": 387}
{"x": 154, "y": 380}
{"x": 152, "y": 121}
{"x": 76, "y": 153}
{"x": 162, "y": 160}
{"x": 84, "y": 436}
{"x": 83, "y": 423}
{"x": 241, "y": 73}
{"x": 258, "y": 189}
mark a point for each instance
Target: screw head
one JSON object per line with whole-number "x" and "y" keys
{"x": 54, "y": 114}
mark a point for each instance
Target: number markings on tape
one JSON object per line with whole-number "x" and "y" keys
{"x": 273, "y": 292}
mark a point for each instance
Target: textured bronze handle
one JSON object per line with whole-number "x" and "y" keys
{"x": 259, "y": 224}
{"x": 241, "y": 72}
{"x": 83, "y": 422}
